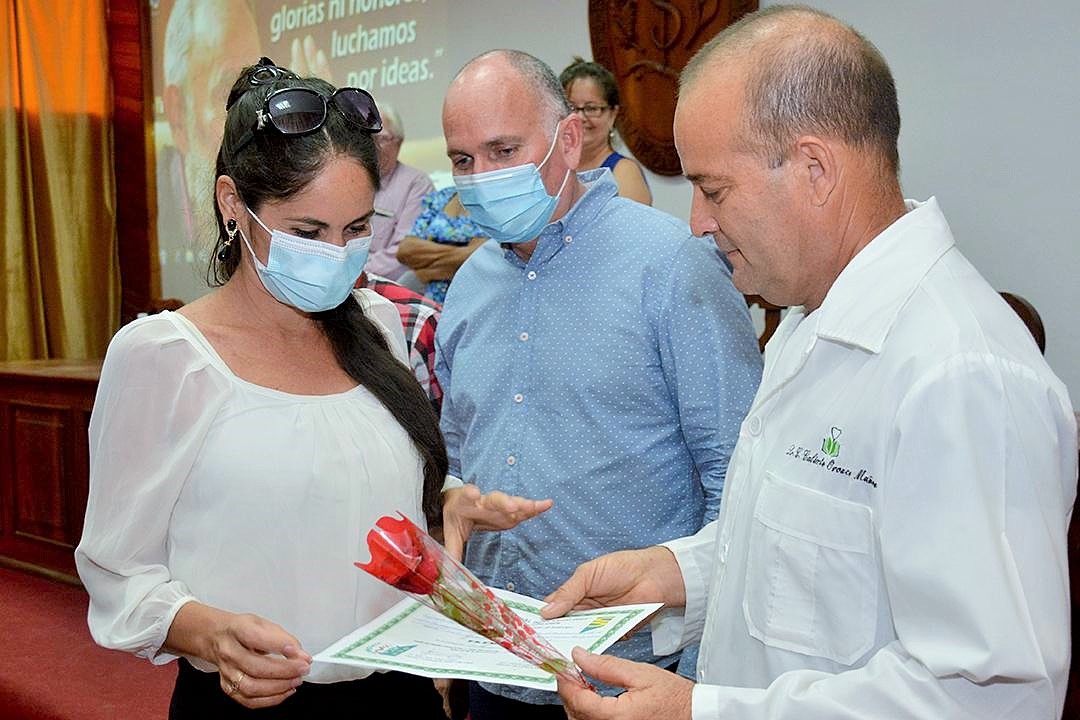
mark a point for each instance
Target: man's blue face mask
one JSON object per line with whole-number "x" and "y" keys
{"x": 511, "y": 205}
{"x": 309, "y": 275}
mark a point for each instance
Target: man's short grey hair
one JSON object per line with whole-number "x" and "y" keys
{"x": 540, "y": 78}
{"x": 808, "y": 73}
{"x": 391, "y": 120}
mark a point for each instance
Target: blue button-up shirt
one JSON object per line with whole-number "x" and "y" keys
{"x": 610, "y": 373}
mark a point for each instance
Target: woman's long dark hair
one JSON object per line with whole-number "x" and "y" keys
{"x": 273, "y": 167}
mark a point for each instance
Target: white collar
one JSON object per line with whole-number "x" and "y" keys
{"x": 863, "y": 303}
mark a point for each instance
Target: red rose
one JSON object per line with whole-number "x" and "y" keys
{"x": 398, "y": 557}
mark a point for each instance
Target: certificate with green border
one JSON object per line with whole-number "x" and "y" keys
{"x": 415, "y": 639}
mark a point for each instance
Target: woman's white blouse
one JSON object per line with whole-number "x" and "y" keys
{"x": 206, "y": 487}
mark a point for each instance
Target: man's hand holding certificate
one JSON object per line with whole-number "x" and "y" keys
{"x": 454, "y": 626}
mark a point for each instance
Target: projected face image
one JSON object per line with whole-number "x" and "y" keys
{"x": 215, "y": 42}
{"x": 199, "y": 48}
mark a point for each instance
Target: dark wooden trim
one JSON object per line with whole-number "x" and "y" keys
{"x": 128, "y": 28}
{"x": 44, "y": 476}
{"x": 63, "y": 577}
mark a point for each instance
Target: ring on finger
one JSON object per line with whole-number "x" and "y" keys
{"x": 235, "y": 684}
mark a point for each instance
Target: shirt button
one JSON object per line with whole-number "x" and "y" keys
{"x": 523, "y": 336}
{"x": 510, "y": 586}
{"x": 531, "y": 275}
{"x": 511, "y": 460}
{"x": 753, "y": 425}
{"x": 723, "y": 552}
{"x": 568, "y": 239}
{"x": 518, "y": 398}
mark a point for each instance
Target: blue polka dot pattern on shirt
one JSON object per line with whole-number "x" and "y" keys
{"x": 610, "y": 373}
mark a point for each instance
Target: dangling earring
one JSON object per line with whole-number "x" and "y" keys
{"x": 230, "y": 228}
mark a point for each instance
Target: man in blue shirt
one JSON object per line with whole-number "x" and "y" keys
{"x": 596, "y": 355}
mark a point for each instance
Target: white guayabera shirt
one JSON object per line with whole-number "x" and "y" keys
{"x": 891, "y": 541}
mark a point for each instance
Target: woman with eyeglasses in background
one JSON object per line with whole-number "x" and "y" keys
{"x": 242, "y": 447}
{"x": 592, "y": 92}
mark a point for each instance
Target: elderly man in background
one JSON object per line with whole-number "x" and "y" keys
{"x": 596, "y": 355}
{"x": 892, "y": 538}
{"x": 397, "y": 202}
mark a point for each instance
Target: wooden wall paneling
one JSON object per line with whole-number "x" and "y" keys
{"x": 39, "y": 436}
{"x": 78, "y": 492}
{"x": 128, "y": 28}
{"x": 7, "y": 470}
{"x": 45, "y": 410}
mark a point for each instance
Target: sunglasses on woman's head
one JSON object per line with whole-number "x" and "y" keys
{"x": 265, "y": 72}
{"x": 299, "y": 111}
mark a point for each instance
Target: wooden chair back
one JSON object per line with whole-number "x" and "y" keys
{"x": 1072, "y": 692}
{"x": 772, "y": 317}
{"x": 1030, "y": 316}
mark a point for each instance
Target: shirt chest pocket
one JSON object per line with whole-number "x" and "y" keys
{"x": 811, "y": 578}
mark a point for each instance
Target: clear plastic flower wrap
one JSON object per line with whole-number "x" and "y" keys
{"x": 406, "y": 557}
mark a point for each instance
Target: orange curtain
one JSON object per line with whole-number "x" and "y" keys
{"x": 60, "y": 289}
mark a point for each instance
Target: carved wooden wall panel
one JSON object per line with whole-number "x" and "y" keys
{"x": 44, "y": 461}
{"x": 646, "y": 44}
{"x": 40, "y": 437}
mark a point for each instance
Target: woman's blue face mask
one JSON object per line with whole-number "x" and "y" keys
{"x": 307, "y": 274}
{"x": 511, "y": 205}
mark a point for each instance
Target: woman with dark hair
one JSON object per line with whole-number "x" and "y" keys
{"x": 242, "y": 446}
{"x": 592, "y": 92}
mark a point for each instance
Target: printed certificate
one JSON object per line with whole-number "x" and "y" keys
{"x": 415, "y": 639}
